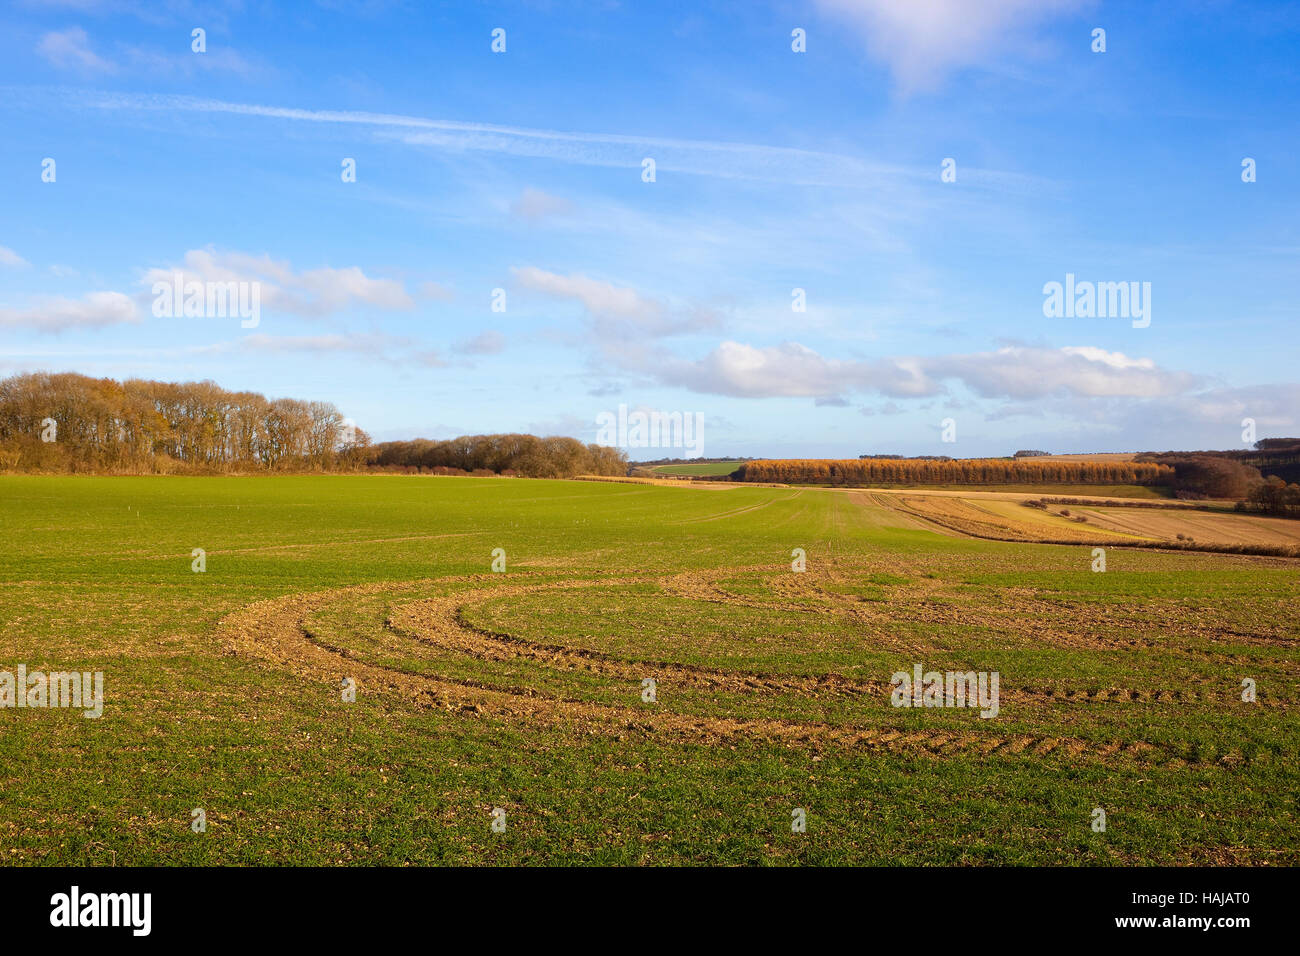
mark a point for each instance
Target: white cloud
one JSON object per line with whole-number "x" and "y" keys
{"x": 697, "y": 157}
{"x": 889, "y": 408}
{"x": 12, "y": 259}
{"x": 95, "y": 310}
{"x": 391, "y": 349}
{"x": 490, "y": 342}
{"x": 70, "y": 49}
{"x": 1271, "y": 406}
{"x": 599, "y": 298}
{"x": 730, "y": 160}
{"x": 1113, "y": 359}
{"x": 1014, "y": 372}
{"x": 618, "y": 311}
{"x": 218, "y": 59}
{"x": 924, "y": 40}
{"x": 793, "y": 370}
{"x": 535, "y": 205}
{"x": 1022, "y": 372}
{"x": 313, "y": 292}
{"x": 307, "y": 343}
{"x": 1210, "y": 418}
{"x": 436, "y": 291}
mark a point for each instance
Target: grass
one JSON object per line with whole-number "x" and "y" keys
{"x": 605, "y": 583}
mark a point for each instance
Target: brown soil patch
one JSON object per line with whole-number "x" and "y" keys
{"x": 274, "y": 631}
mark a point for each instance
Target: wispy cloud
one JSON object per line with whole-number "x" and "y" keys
{"x": 70, "y": 50}
{"x": 311, "y": 292}
{"x": 57, "y": 314}
{"x": 1013, "y": 372}
{"x": 535, "y": 204}
{"x": 377, "y": 346}
{"x": 603, "y": 299}
{"x": 617, "y": 311}
{"x": 435, "y": 291}
{"x": 217, "y": 59}
{"x": 737, "y": 160}
{"x": 12, "y": 259}
{"x": 1204, "y": 418}
{"x": 922, "y": 41}
{"x": 490, "y": 342}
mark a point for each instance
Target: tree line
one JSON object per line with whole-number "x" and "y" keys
{"x": 1273, "y": 496}
{"x": 1207, "y": 476}
{"x": 67, "y": 422}
{"x": 959, "y": 471}
{"x": 71, "y": 422}
{"x": 524, "y": 455}
{"x": 1269, "y": 456}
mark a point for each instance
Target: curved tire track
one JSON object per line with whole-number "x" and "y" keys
{"x": 275, "y": 631}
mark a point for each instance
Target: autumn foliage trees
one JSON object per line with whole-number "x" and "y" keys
{"x": 525, "y": 455}
{"x": 1273, "y": 497}
{"x": 958, "y": 471}
{"x": 70, "y": 422}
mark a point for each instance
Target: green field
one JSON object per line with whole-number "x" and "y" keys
{"x": 703, "y": 469}
{"x": 522, "y": 690}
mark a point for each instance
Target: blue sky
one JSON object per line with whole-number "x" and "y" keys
{"x": 775, "y": 170}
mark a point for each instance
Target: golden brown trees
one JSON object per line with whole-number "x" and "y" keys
{"x": 970, "y": 471}
{"x": 69, "y": 422}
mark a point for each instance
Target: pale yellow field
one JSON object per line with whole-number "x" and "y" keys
{"x": 1001, "y": 515}
{"x": 1099, "y": 456}
{"x": 1197, "y": 525}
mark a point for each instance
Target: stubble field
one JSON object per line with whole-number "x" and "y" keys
{"x": 518, "y": 695}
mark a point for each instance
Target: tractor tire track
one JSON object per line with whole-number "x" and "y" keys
{"x": 275, "y": 631}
